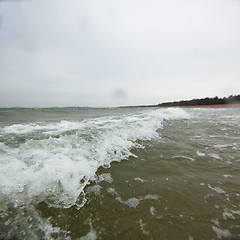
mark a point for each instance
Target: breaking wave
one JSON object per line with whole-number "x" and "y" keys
{"x": 53, "y": 162}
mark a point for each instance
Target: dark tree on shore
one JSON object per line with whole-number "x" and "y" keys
{"x": 204, "y": 101}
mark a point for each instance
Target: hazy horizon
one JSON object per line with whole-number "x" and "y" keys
{"x": 120, "y": 106}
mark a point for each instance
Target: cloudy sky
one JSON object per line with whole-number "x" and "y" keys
{"x": 109, "y": 53}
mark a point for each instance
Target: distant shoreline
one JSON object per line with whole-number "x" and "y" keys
{"x": 237, "y": 105}
{"x": 233, "y": 101}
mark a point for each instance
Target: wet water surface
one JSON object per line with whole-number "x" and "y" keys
{"x": 134, "y": 174}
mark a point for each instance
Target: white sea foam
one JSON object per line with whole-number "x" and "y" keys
{"x": 96, "y": 189}
{"x": 111, "y": 191}
{"x": 184, "y": 157}
{"x": 219, "y": 146}
{"x": 228, "y": 176}
{"x": 140, "y": 180}
{"x": 221, "y": 233}
{"x": 134, "y": 202}
{"x": 57, "y": 167}
{"x": 142, "y": 227}
{"x": 190, "y": 237}
{"x": 215, "y": 156}
{"x": 152, "y": 211}
{"x": 216, "y": 189}
{"x": 105, "y": 177}
{"x": 91, "y": 235}
{"x": 215, "y": 221}
{"x": 200, "y": 154}
{"x": 131, "y": 202}
{"x": 54, "y": 162}
{"x": 150, "y": 197}
{"x": 228, "y": 213}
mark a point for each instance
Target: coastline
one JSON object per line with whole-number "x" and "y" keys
{"x": 213, "y": 106}
{"x": 237, "y": 105}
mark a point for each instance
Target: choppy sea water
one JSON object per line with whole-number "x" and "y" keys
{"x": 120, "y": 173}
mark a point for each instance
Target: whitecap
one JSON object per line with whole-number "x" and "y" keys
{"x": 54, "y": 162}
{"x": 60, "y": 167}
{"x": 140, "y": 180}
{"x": 228, "y": 213}
{"x": 184, "y": 157}
{"x": 221, "y": 233}
{"x": 215, "y": 156}
{"x": 151, "y": 197}
{"x": 200, "y": 154}
{"x": 228, "y": 176}
{"x": 216, "y": 189}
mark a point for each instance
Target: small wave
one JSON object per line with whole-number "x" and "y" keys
{"x": 52, "y": 163}
{"x": 57, "y": 169}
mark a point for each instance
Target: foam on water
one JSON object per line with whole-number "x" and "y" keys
{"x": 221, "y": 233}
{"x": 142, "y": 227}
{"x": 57, "y": 167}
{"x": 105, "y": 177}
{"x": 53, "y": 162}
{"x": 215, "y": 156}
{"x": 140, "y": 180}
{"x": 131, "y": 202}
{"x": 92, "y": 235}
{"x": 184, "y": 157}
{"x": 200, "y": 154}
{"x": 152, "y": 211}
{"x": 216, "y": 189}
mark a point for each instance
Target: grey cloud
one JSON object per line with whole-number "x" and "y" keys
{"x": 89, "y": 52}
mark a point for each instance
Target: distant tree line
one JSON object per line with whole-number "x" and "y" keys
{"x": 204, "y": 101}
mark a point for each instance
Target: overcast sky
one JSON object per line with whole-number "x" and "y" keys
{"x": 108, "y": 53}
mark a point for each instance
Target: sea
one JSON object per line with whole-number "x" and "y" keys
{"x": 120, "y": 173}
